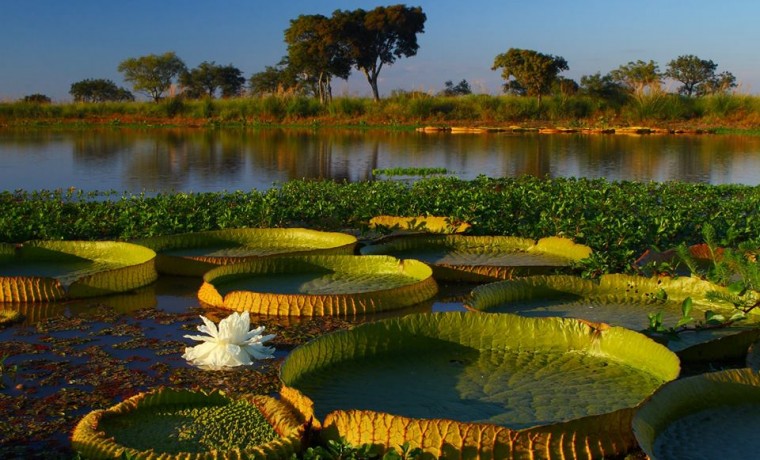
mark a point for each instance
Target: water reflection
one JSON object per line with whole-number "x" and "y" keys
{"x": 193, "y": 159}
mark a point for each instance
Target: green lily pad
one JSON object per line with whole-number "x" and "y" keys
{"x": 183, "y": 424}
{"x": 318, "y": 285}
{"x": 43, "y": 271}
{"x": 713, "y": 415}
{"x": 556, "y": 379}
{"x": 429, "y": 224}
{"x": 193, "y": 254}
{"x": 482, "y": 258}
{"x": 626, "y": 301}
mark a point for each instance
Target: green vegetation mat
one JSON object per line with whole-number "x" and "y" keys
{"x": 617, "y": 220}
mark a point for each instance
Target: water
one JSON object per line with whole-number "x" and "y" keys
{"x": 193, "y": 160}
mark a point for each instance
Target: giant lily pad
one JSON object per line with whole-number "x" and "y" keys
{"x": 181, "y": 424}
{"x": 43, "y": 271}
{"x": 33, "y": 312}
{"x": 318, "y": 285}
{"x": 626, "y": 301}
{"x": 482, "y": 258}
{"x": 193, "y": 254}
{"x": 429, "y": 224}
{"x": 713, "y": 415}
{"x": 481, "y": 386}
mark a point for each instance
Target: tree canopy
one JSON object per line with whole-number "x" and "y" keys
{"x": 99, "y": 90}
{"x": 152, "y": 74}
{"x": 460, "y": 89}
{"x": 380, "y": 36}
{"x": 698, "y": 76}
{"x": 638, "y": 76}
{"x": 318, "y": 51}
{"x": 208, "y": 78}
{"x": 277, "y": 79}
{"x": 37, "y": 98}
{"x": 533, "y": 72}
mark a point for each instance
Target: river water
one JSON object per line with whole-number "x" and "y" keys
{"x": 155, "y": 160}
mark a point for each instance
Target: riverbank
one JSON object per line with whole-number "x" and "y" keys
{"x": 664, "y": 113}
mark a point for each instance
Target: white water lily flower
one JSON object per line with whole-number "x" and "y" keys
{"x": 232, "y": 344}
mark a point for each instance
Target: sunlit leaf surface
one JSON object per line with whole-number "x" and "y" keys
{"x": 519, "y": 374}
{"x": 482, "y": 258}
{"x": 626, "y": 301}
{"x": 169, "y": 424}
{"x": 43, "y": 271}
{"x": 193, "y": 254}
{"x": 319, "y": 285}
{"x": 712, "y": 415}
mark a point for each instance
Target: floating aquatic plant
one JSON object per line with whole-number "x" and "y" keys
{"x": 193, "y": 254}
{"x": 479, "y": 386}
{"x": 711, "y": 415}
{"x": 170, "y": 424}
{"x": 41, "y": 271}
{"x": 465, "y": 258}
{"x": 319, "y": 285}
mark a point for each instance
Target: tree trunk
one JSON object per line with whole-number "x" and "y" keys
{"x": 372, "y": 79}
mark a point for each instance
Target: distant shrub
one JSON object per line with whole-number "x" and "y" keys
{"x": 36, "y": 99}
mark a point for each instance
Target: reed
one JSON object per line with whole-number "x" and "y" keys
{"x": 410, "y": 108}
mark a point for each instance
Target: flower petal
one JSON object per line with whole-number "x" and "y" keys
{"x": 209, "y": 327}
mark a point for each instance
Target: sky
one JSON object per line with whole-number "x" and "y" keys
{"x": 46, "y": 45}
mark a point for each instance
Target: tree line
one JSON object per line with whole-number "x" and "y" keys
{"x": 321, "y": 49}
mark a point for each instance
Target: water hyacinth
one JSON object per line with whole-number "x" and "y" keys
{"x": 231, "y": 344}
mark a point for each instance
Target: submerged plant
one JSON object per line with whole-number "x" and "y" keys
{"x": 231, "y": 344}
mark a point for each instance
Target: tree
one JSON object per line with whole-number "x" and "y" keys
{"x": 200, "y": 81}
{"x": 691, "y": 71}
{"x": 280, "y": 78}
{"x": 152, "y": 74}
{"x": 720, "y": 83}
{"x": 379, "y": 37}
{"x": 564, "y": 86}
{"x": 533, "y": 71}
{"x": 99, "y": 90}
{"x": 603, "y": 87}
{"x": 206, "y": 79}
{"x": 37, "y": 99}
{"x": 461, "y": 89}
{"x": 317, "y": 50}
{"x": 230, "y": 80}
{"x": 638, "y": 76}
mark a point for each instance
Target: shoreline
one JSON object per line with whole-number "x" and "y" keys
{"x": 425, "y": 127}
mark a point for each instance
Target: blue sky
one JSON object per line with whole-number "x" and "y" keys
{"x": 46, "y": 45}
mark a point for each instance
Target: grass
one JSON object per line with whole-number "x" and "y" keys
{"x": 736, "y": 111}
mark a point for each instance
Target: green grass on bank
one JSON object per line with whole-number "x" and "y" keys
{"x": 618, "y": 220}
{"x": 736, "y": 111}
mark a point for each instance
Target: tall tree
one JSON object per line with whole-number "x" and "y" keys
{"x": 99, "y": 90}
{"x": 533, "y": 71}
{"x": 280, "y": 78}
{"x": 698, "y": 76}
{"x": 317, "y": 50}
{"x": 379, "y": 37}
{"x": 638, "y": 76}
{"x": 206, "y": 79}
{"x": 603, "y": 87}
{"x": 230, "y": 80}
{"x": 691, "y": 71}
{"x": 200, "y": 81}
{"x": 721, "y": 83}
{"x": 152, "y": 74}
